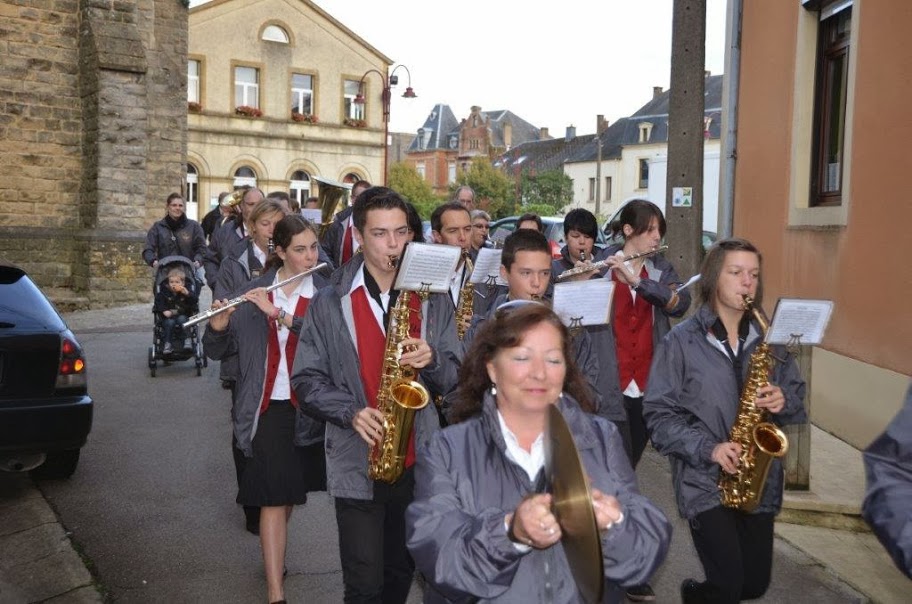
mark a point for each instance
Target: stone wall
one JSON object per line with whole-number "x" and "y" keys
{"x": 93, "y": 138}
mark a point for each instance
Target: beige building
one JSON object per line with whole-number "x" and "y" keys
{"x": 821, "y": 185}
{"x": 272, "y": 87}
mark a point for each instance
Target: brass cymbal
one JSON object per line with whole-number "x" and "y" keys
{"x": 573, "y": 507}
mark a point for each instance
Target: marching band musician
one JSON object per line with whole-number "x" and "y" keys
{"x": 337, "y": 374}
{"x": 451, "y": 225}
{"x": 242, "y": 265}
{"x": 691, "y": 403}
{"x": 481, "y": 528}
{"x": 284, "y": 450}
{"x": 230, "y": 232}
{"x": 526, "y": 267}
{"x": 338, "y": 241}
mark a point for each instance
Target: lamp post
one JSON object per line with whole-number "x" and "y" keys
{"x": 385, "y": 97}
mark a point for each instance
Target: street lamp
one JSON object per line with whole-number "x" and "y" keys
{"x": 385, "y": 97}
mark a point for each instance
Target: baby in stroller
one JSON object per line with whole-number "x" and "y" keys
{"x": 176, "y": 299}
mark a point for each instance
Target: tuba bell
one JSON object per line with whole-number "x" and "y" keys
{"x": 332, "y": 197}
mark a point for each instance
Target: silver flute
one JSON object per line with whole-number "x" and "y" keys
{"x": 205, "y": 316}
{"x": 579, "y": 270}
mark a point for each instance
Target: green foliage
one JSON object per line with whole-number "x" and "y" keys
{"x": 547, "y": 191}
{"x": 494, "y": 192}
{"x": 406, "y": 181}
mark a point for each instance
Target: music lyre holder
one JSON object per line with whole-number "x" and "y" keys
{"x": 491, "y": 282}
{"x": 794, "y": 343}
{"x": 576, "y": 323}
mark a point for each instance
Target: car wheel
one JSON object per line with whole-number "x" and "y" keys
{"x": 58, "y": 465}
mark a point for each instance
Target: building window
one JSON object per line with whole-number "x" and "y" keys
{"x": 246, "y": 87}
{"x": 644, "y": 174}
{"x": 192, "y": 195}
{"x": 193, "y": 81}
{"x": 274, "y": 33}
{"x": 419, "y": 167}
{"x": 830, "y": 94}
{"x": 244, "y": 176}
{"x": 353, "y": 110}
{"x": 591, "y": 189}
{"x": 451, "y": 172}
{"x": 302, "y": 93}
{"x": 645, "y": 131}
{"x": 351, "y": 178}
{"x": 299, "y": 187}
{"x": 608, "y": 188}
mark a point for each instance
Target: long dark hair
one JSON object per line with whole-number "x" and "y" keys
{"x": 712, "y": 268}
{"x": 284, "y": 232}
{"x": 638, "y": 213}
{"x": 506, "y": 330}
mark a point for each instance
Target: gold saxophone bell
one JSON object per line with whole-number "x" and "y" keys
{"x": 233, "y": 199}
{"x": 391, "y": 261}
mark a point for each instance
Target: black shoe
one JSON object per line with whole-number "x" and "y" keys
{"x": 253, "y": 526}
{"x": 640, "y": 593}
{"x": 689, "y": 590}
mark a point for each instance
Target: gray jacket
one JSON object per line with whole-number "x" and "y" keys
{"x": 220, "y": 244}
{"x": 246, "y": 339}
{"x": 692, "y": 402}
{"x": 465, "y": 486}
{"x": 327, "y": 378}
{"x": 331, "y": 241}
{"x": 888, "y": 464}
{"x": 187, "y": 241}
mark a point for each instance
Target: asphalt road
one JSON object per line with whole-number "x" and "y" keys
{"x": 152, "y": 503}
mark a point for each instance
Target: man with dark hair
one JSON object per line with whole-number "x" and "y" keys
{"x": 283, "y": 198}
{"x": 337, "y": 375}
{"x": 451, "y": 225}
{"x": 338, "y": 241}
{"x": 530, "y": 221}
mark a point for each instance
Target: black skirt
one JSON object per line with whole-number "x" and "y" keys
{"x": 279, "y": 473}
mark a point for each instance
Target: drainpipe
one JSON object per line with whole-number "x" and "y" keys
{"x": 730, "y": 116}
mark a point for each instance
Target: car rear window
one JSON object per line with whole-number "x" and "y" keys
{"x": 22, "y": 305}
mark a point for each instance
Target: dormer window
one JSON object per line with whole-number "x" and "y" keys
{"x": 274, "y": 33}
{"x": 645, "y": 131}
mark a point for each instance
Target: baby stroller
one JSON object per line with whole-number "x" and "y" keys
{"x": 184, "y": 343}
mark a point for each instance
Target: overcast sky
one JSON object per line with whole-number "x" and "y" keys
{"x": 553, "y": 68}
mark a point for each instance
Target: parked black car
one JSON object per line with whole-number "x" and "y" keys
{"x": 45, "y": 409}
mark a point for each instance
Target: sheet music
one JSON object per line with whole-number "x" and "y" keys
{"x": 427, "y": 266}
{"x": 313, "y": 215}
{"x": 589, "y": 301}
{"x": 487, "y": 264}
{"x": 794, "y": 316}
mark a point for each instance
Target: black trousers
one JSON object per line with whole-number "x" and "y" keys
{"x": 251, "y": 513}
{"x": 736, "y": 550}
{"x": 376, "y": 566}
{"x": 639, "y": 435}
{"x": 624, "y": 429}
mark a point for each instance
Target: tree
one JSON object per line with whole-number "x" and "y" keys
{"x": 405, "y": 180}
{"x": 494, "y": 192}
{"x": 551, "y": 190}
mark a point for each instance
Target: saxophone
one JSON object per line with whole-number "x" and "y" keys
{"x": 464, "y": 311}
{"x": 400, "y": 396}
{"x": 760, "y": 440}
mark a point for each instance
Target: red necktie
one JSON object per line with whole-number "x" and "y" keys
{"x": 347, "y": 244}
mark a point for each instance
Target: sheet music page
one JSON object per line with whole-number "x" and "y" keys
{"x": 589, "y": 301}
{"x": 487, "y": 264}
{"x": 313, "y": 215}
{"x": 794, "y": 316}
{"x": 428, "y": 266}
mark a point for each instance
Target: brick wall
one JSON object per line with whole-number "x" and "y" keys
{"x": 92, "y": 139}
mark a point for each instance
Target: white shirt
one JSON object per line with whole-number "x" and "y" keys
{"x": 281, "y": 389}
{"x": 350, "y": 224}
{"x": 456, "y": 283}
{"x": 531, "y": 461}
{"x": 259, "y": 254}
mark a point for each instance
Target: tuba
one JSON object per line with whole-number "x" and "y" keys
{"x": 464, "y": 310}
{"x": 760, "y": 440}
{"x": 331, "y": 197}
{"x": 399, "y": 398}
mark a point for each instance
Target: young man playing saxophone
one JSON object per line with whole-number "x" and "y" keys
{"x": 338, "y": 370}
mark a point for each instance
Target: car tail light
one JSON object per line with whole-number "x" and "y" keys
{"x": 555, "y": 250}
{"x": 71, "y": 371}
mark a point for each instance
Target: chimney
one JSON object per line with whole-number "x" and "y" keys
{"x": 601, "y": 124}
{"x": 544, "y": 135}
{"x": 571, "y": 133}
{"x": 508, "y": 134}
{"x": 656, "y": 91}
